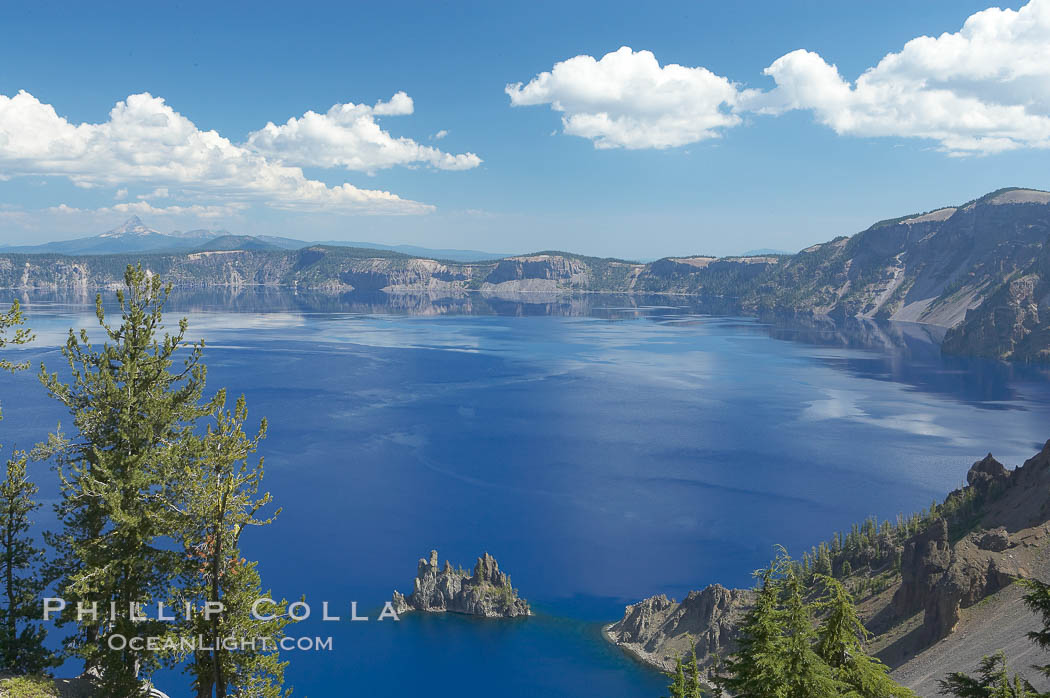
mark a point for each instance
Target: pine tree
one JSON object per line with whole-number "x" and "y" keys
{"x": 993, "y": 681}
{"x": 135, "y": 416}
{"x": 13, "y": 318}
{"x": 676, "y": 689}
{"x": 1038, "y": 601}
{"x": 806, "y": 674}
{"x": 692, "y": 675}
{"x": 823, "y": 565}
{"x": 756, "y": 669}
{"x": 21, "y": 634}
{"x": 221, "y": 500}
{"x": 839, "y": 644}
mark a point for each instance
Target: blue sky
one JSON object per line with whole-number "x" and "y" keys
{"x": 792, "y": 159}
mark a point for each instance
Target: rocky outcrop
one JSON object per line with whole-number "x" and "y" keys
{"x": 486, "y": 591}
{"x": 990, "y": 533}
{"x": 924, "y": 561}
{"x": 658, "y": 630}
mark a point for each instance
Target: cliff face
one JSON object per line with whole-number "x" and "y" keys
{"x": 658, "y": 630}
{"x": 982, "y": 269}
{"x": 948, "y": 574}
{"x": 1013, "y": 323}
{"x": 486, "y": 592}
{"x": 929, "y": 268}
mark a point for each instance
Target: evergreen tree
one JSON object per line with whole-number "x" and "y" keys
{"x": 692, "y": 675}
{"x": 1038, "y": 601}
{"x": 676, "y": 689}
{"x": 840, "y": 644}
{"x": 807, "y": 675}
{"x": 993, "y": 681}
{"x": 756, "y": 669}
{"x": 13, "y": 319}
{"x": 135, "y": 416}
{"x": 221, "y": 501}
{"x": 21, "y": 634}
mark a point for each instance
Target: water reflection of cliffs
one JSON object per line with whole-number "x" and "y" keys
{"x": 903, "y": 353}
{"x": 981, "y": 269}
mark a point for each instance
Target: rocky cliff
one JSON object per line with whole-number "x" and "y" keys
{"x": 981, "y": 269}
{"x": 486, "y": 591}
{"x": 658, "y": 630}
{"x": 919, "y": 596}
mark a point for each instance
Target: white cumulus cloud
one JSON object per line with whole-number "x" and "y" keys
{"x": 158, "y": 193}
{"x": 144, "y": 208}
{"x": 348, "y": 135}
{"x": 146, "y": 142}
{"x": 983, "y": 89}
{"x": 626, "y": 99}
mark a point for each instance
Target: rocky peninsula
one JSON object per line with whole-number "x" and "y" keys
{"x": 936, "y": 599}
{"x": 486, "y": 592}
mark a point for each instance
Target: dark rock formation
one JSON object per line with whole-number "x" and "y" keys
{"x": 925, "y": 559}
{"x": 487, "y": 592}
{"x": 658, "y": 630}
{"x": 940, "y": 578}
{"x": 987, "y": 475}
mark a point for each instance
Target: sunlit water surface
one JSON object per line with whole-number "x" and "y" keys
{"x": 603, "y": 449}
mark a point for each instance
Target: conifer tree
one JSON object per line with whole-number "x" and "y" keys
{"x": 806, "y": 674}
{"x": 839, "y": 644}
{"x": 1038, "y": 601}
{"x": 756, "y": 669}
{"x": 993, "y": 681}
{"x": 134, "y": 415}
{"x": 21, "y": 634}
{"x": 221, "y": 500}
{"x": 676, "y": 689}
{"x": 692, "y": 675}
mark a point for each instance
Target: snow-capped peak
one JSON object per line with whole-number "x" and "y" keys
{"x": 132, "y": 226}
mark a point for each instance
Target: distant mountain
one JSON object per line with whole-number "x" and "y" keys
{"x": 414, "y": 251}
{"x": 134, "y": 236}
{"x": 237, "y": 242}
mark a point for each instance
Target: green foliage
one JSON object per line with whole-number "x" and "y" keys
{"x": 993, "y": 681}
{"x": 677, "y": 687}
{"x": 840, "y": 643}
{"x": 692, "y": 676}
{"x": 152, "y": 510}
{"x": 134, "y": 416}
{"x": 757, "y": 668}
{"x": 28, "y": 687}
{"x": 219, "y": 499}
{"x": 784, "y": 652}
{"x": 806, "y": 674}
{"x": 13, "y": 319}
{"x": 21, "y": 634}
{"x": 1038, "y": 601}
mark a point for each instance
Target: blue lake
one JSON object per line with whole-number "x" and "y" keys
{"x": 602, "y": 449}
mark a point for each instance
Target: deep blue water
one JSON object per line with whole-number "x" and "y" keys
{"x": 602, "y": 452}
